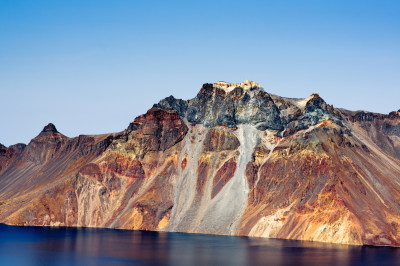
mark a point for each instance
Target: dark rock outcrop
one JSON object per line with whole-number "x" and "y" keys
{"x": 215, "y": 107}
{"x": 50, "y": 128}
{"x": 157, "y": 130}
{"x": 230, "y": 105}
{"x": 171, "y": 103}
{"x": 315, "y": 103}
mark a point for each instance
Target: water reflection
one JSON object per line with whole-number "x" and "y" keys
{"x": 90, "y": 246}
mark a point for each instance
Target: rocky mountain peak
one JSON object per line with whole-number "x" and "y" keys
{"x": 231, "y": 104}
{"x": 315, "y": 102}
{"x": 49, "y": 128}
{"x": 50, "y": 132}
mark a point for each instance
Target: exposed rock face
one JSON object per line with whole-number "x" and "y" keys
{"x": 224, "y": 105}
{"x": 8, "y": 155}
{"x": 232, "y": 160}
{"x": 50, "y": 128}
{"x": 157, "y": 130}
{"x": 220, "y": 140}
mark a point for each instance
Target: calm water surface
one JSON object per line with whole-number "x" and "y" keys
{"x": 88, "y": 246}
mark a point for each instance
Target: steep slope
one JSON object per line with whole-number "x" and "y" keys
{"x": 232, "y": 160}
{"x": 9, "y": 155}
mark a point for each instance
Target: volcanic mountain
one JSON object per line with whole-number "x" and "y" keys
{"x": 233, "y": 160}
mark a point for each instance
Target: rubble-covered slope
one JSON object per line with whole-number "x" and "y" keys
{"x": 233, "y": 160}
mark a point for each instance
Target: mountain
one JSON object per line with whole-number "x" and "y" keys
{"x": 233, "y": 160}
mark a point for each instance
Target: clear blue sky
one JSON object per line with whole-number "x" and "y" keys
{"x": 93, "y": 66}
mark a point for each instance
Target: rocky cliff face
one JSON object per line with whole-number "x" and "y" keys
{"x": 233, "y": 160}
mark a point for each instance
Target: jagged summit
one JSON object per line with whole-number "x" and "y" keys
{"x": 51, "y": 131}
{"x": 232, "y": 104}
{"x": 314, "y": 102}
{"x": 228, "y": 87}
{"x": 50, "y": 128}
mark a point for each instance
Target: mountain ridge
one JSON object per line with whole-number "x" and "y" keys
{"x": 232, "y": 160}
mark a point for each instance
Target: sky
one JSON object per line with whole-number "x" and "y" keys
{"x": 91, "y": 67}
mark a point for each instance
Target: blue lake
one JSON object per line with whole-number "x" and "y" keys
{"x": 91, "y": 246}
